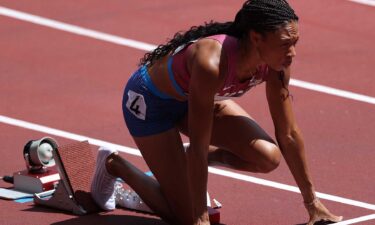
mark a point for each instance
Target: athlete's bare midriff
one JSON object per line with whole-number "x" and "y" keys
{"x": 160, "y": 77}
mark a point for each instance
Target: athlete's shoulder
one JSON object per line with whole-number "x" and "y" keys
{"x": 206, "y": 54}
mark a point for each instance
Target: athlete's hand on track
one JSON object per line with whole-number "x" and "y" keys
{"x": 203, "y": 219}
{"x": 317, "y": 212}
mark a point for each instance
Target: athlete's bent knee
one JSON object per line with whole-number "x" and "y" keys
{"x": 271, "y": 158}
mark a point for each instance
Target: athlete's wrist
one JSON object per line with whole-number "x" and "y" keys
{"x": 309, "y": 197}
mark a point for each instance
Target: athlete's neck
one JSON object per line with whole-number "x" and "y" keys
{"x": 248, "y": 60}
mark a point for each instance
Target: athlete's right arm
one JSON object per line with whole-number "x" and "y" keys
{"x": 203, "y": 64}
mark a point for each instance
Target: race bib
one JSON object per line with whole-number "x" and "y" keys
{"x": 136, "y": 105}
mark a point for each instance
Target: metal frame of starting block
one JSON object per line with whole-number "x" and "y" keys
{"x": 63, "y": 197}
{"x": 60, "y": 199}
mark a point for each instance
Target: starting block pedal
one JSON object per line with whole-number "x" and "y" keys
{"x": 214, "y": 215}
{"x": 75, "y": 164}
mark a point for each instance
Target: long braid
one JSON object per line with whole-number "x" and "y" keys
{"x": 258, "y": 15}
{"x": 181, "y": 38}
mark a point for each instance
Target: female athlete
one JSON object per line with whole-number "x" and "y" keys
{"x": 187, "y": 86}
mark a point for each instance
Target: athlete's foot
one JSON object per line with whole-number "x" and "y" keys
{"x": 103, "y": 184}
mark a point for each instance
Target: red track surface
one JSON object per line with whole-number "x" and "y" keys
{"x": 75, "y": 83}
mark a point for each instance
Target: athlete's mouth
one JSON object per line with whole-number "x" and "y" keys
{"x": 288, "y": 62}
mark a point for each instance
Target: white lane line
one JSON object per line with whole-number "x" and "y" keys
{"x": 356, "y": 220}
{"x": 64, "y": 134}
{"x": 364, "y": 2}
{"x": 332, "y": 91}
{"x": 286, "y": 187}
{"x": 75, "y": 29}
{"x": 149, "y": 47}
{"x": 221, "y": 172}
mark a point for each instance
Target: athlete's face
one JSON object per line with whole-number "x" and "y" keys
{"x": 277, "y": 49}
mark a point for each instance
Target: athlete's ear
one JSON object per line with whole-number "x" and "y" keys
{"x": 255, "y": 37}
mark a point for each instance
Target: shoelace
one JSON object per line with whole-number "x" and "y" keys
{"x": 129, "y": 199}
{"x": 121, "y": 193}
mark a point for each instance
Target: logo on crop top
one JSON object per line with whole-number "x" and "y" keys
{"x": 228, "y": 87}
{"x": 254, "y": 81}
{"x": 234, "y": 90}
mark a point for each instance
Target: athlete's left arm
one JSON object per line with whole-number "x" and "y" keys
{"x": 287, "y": 132}
{"x": 291, "y": 142}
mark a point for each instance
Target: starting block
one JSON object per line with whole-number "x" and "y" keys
{"x": 75, "y": 164}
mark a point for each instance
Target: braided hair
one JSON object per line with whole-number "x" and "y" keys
{"x": 261, "y": 16}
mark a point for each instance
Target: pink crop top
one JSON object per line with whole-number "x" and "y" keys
{"x": 232, "y": 86}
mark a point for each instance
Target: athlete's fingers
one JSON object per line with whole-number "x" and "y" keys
{"x": 313, "y": 220}
{"x": 333, "y": 218}
{"x": 329, "y": 218}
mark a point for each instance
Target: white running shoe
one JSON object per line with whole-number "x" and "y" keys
{"x": 103, "y": 183}
{"x": 127, "y": 198}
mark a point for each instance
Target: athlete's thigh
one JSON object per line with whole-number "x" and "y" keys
{"x": 165, "y": 156}
{"x": 235, "y": 130}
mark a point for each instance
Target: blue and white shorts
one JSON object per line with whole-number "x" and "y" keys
{"x": 148, "y": 111}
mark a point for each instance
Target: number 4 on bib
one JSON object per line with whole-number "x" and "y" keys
{"x": 136, "y": 105}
